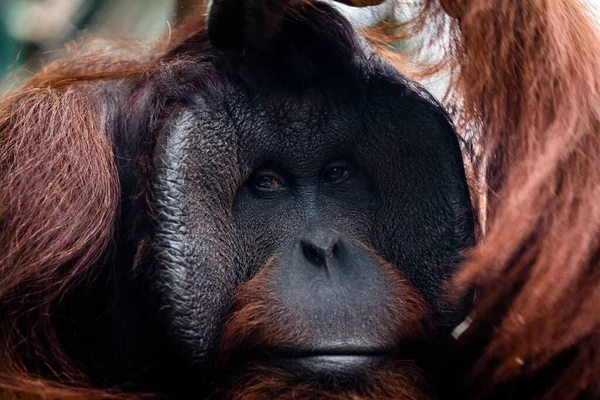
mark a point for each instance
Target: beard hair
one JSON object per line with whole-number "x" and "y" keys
{"x": 402, "y": 380}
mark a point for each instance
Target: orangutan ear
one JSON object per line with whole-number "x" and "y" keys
{"x": 237, "y": 24}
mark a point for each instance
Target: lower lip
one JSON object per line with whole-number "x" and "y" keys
{"x": 337, "y": 363}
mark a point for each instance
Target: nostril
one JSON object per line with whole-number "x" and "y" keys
{"x": 320, "y": 246}
{"x": 313, "y": 254}
{"x": 316, "y": 254}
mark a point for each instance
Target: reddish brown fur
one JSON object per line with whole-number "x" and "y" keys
{"x": 528, "y": 74}
{"x": 525, "y": 77}
{"x": 59, "y": 193}
{"x": 401, "y": 382}
{"x": 58, "y": 206}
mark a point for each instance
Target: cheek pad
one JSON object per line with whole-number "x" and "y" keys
{"x": 424, "y": 216}
{"x": 195, "y": 182}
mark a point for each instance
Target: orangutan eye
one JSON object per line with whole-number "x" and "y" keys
{"x": 336, "y": 173}
{"x": 268, "y": 182}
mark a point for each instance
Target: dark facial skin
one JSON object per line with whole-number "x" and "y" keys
{"x": 320, "y": 182}
{"x": 385, "y": 172}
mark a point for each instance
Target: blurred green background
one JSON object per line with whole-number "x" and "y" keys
{"x": 32, "y": 30}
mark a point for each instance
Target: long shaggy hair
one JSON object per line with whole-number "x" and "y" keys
{"x": 525, "y": 96}
{"x": 526, "y": 90}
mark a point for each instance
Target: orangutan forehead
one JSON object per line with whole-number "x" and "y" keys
{"x": 311, "y": 45}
